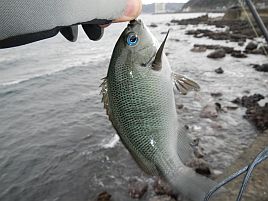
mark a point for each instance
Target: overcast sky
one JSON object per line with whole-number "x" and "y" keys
{"x": 166, "y": 1}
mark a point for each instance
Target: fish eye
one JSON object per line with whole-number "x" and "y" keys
{"x": 132, "y": 39}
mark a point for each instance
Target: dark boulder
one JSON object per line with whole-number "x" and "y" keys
{"x": 248, "y": 101}
{"x": 238, "y": 54}
{"x": 251, "y": 46}
{"x": 262, "y": 68}
{"x": 255, "y": 113}
{"x": 258, "y": 115}
{"x": 220, "y": 53}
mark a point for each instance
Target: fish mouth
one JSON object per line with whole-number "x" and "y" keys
{"x": 134, "y": 23}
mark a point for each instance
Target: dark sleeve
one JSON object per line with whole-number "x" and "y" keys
{"x": 23, "y": 22}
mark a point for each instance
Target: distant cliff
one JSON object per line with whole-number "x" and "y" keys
{"x": 215, "y": 5}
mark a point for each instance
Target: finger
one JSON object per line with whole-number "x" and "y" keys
{"x": 132, "y": 11}
{"x": 104, "y": 25}
{"x": 93, "y": 31}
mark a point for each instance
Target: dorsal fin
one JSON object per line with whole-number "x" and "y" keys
{"x": 157, "y": 63}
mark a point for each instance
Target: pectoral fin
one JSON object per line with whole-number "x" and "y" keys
{"x": 184, "y": 84}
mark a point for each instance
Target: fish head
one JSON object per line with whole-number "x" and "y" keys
{"x": 137, "y": 45}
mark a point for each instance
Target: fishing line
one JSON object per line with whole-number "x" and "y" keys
{"x": 248, "y": 170}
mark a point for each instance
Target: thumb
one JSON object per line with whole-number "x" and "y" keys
{"x": 132, "y": 11}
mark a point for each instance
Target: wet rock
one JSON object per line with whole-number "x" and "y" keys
{"x": 227, "y": 49}
{"x": 257, "y": 51}
{"x": 251, "y": 46}
{"x": 203, "y": 32}
{"x": 200, "y": 166}
{"x": 238, "y": 30}
{"x": 264, "y": 48}
{"x": 262, "y": 68}
{"x": 248, "y": 101}
{"x": 246, "y": 91}
{"x": 161, "y": 187}
{"x": 226, "y": 35}
{"x": 199, "y": 49}
{"x": 209, "y": 111}
{"x": 175, "y": 39}
{"x": 153, "y": 25}
{"x": 218, "y": 107}
{"x": 219, "y": 71}
{"x": 241, "y": 43}
{"x": 231, "y": 107}
{"x": 216, "y": 94}
{"x": 104, "y": 196}
{"x": 137, "y": 188}
{"x": 255, "y": 113}
{"x": 220, "y": 53}
{"x": 258, "y": 116}
{"x": 180, "y": 106}
{"x": 238, "y": 54}
{"x": 192, "y": 21}
{"x": 162, "y": 198}
{"x": 198, "y": 151}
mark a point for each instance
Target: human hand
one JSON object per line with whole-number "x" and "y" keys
{"x": 23, "y": 23}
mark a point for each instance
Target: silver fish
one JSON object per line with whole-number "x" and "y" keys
{"x": 139, "y": 99}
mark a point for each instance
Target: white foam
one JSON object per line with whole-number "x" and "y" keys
{"x": 112, "y": 142}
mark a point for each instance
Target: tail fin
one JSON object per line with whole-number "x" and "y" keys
{"x": 190, "y": 184}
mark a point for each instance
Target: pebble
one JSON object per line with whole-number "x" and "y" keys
{"x": 219, "y": 71}
{"x": 104, "y": 196}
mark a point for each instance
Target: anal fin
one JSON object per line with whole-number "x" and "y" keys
{"x": 184, "y": 148}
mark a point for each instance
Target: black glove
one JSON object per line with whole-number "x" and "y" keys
{"x": 23, "y": 22}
